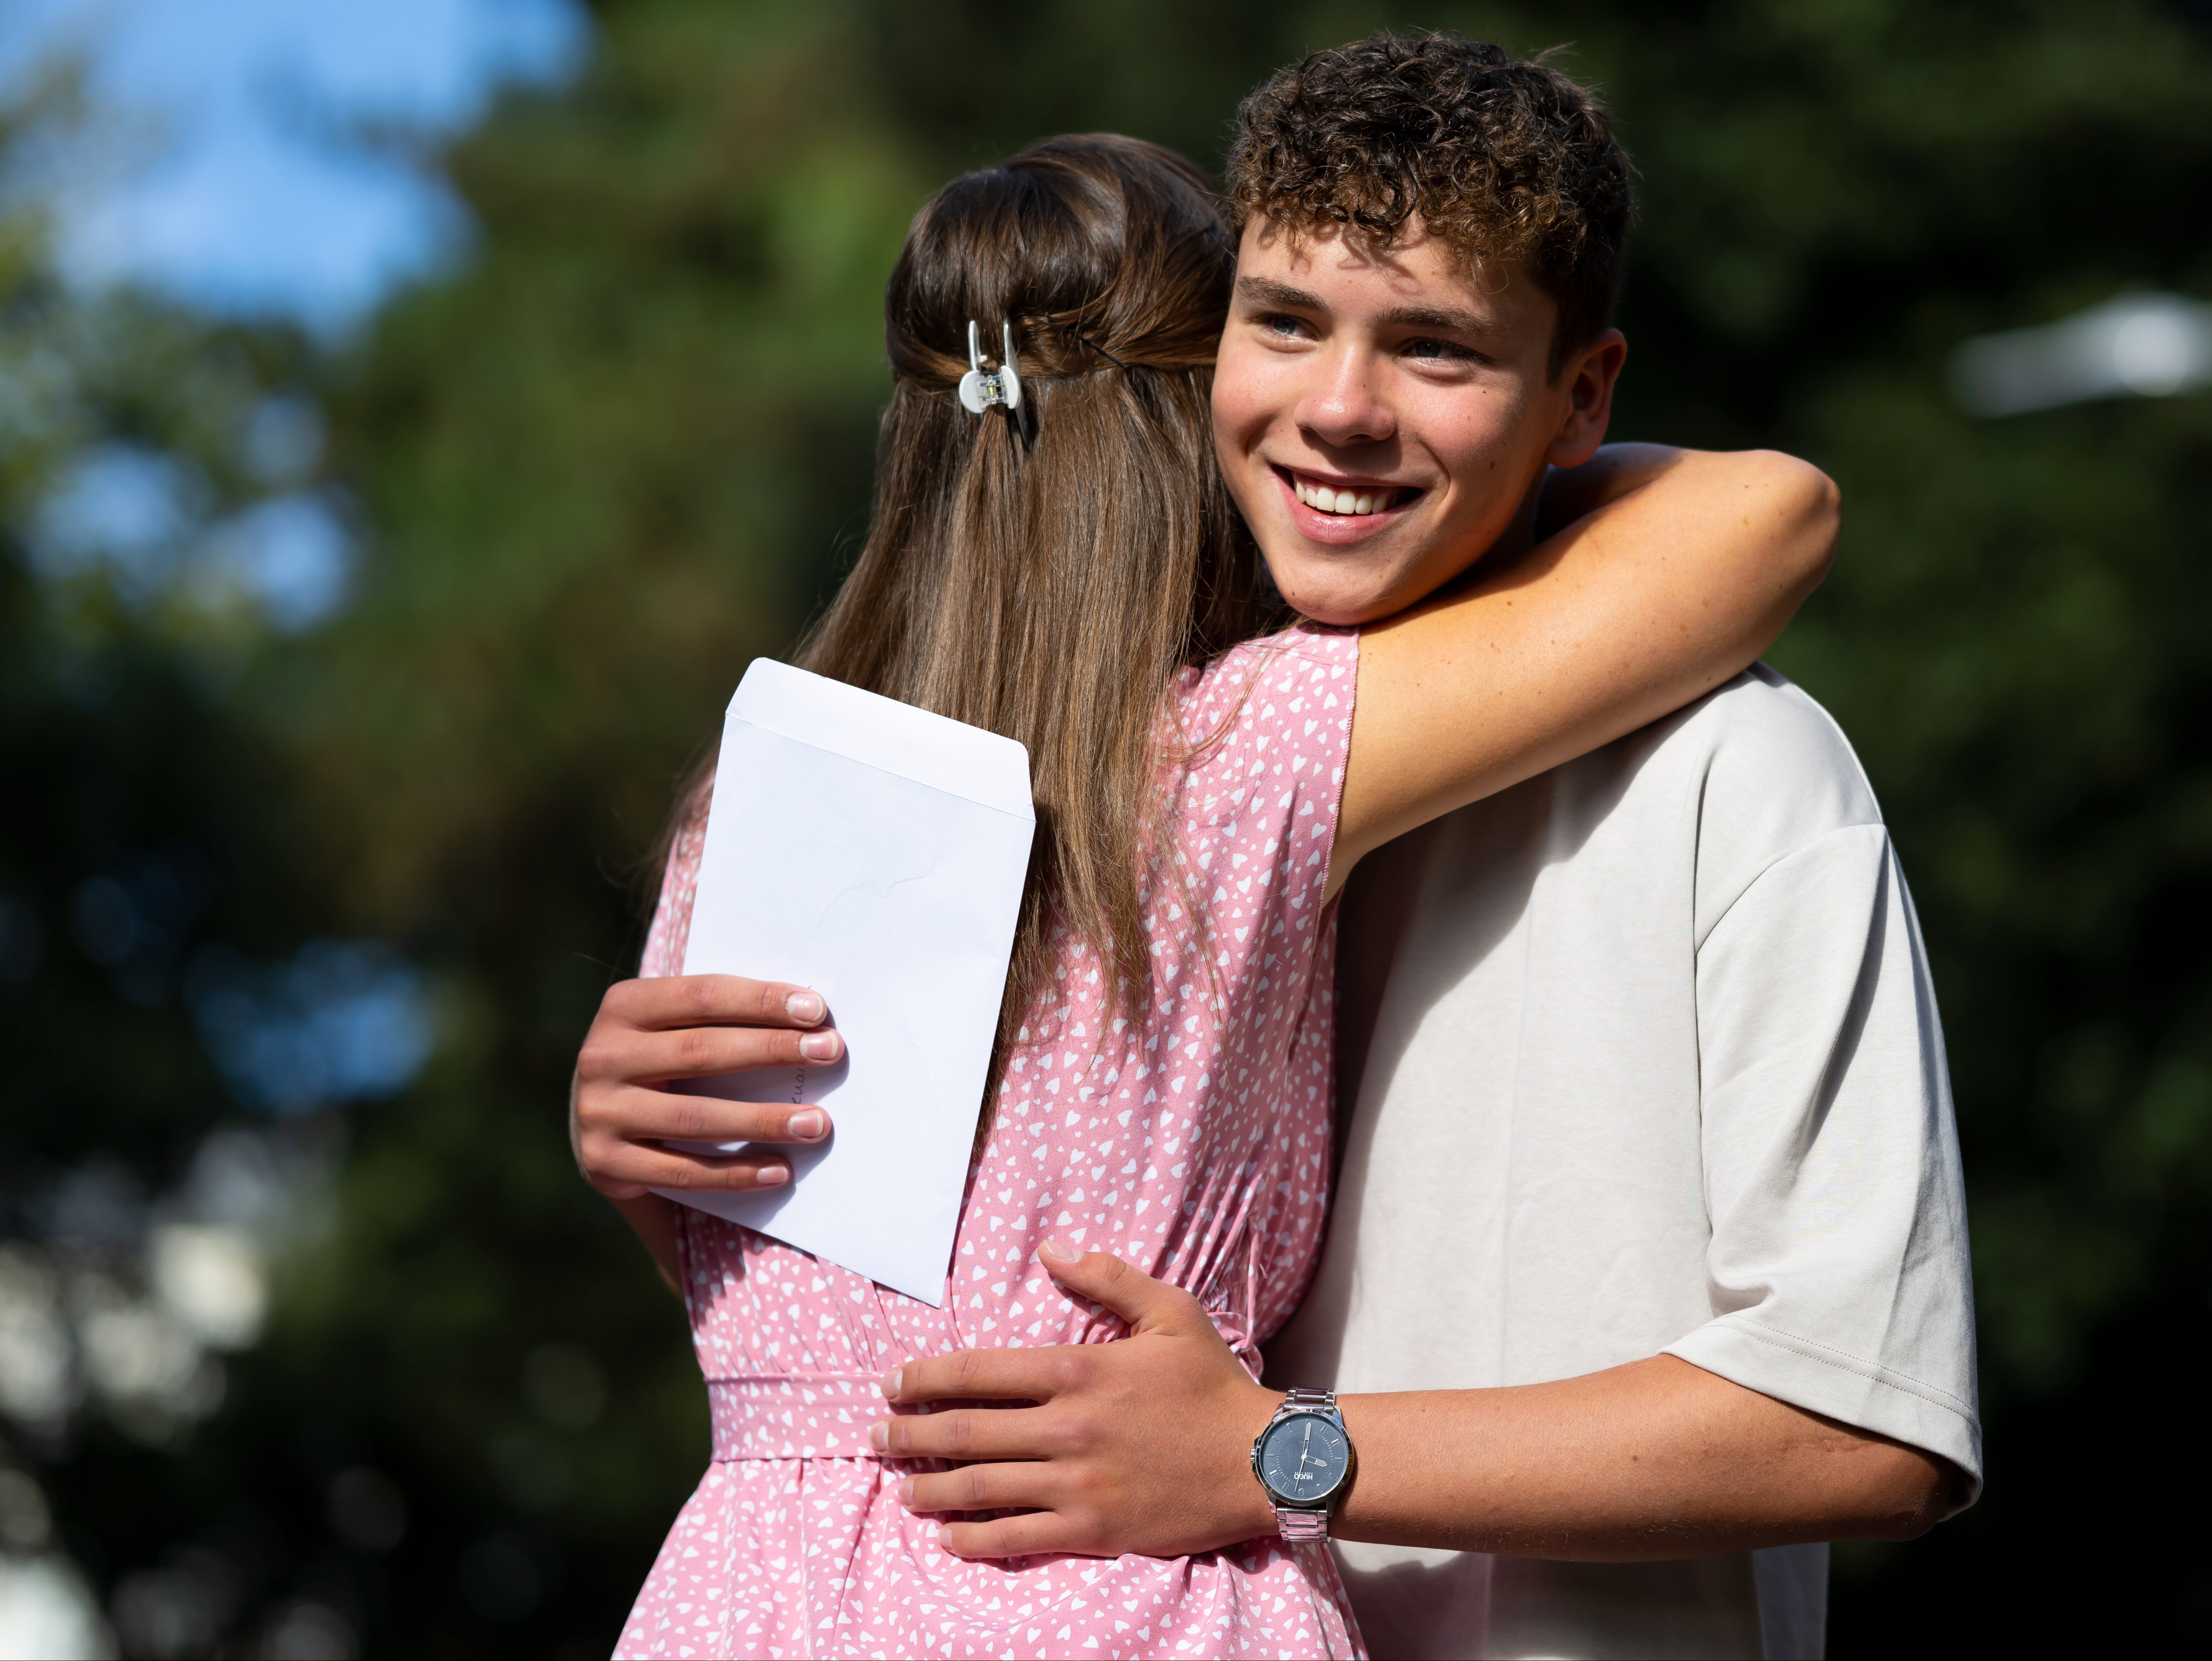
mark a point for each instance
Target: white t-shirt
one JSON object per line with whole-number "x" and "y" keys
{"x": 1654, "y": 1065}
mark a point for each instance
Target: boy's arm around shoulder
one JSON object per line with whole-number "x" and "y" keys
{"x": 1688, "y": 567}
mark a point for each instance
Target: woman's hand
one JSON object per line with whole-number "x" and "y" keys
{"x": 627, "y": 1102}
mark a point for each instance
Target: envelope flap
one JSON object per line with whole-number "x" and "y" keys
{"x": 882, "y": 732}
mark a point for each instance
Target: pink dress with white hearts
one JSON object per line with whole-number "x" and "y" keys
{"x": 1196, "y": 1146}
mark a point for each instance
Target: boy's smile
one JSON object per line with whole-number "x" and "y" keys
{"x": 1382, "y": 419}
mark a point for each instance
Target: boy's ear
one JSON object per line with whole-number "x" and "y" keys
{"x": 1588, "y": 375}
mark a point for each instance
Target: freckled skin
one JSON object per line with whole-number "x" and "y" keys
{"x": 1390, "y": 365}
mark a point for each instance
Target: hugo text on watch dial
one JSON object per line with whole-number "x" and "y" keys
{"x": 1303, "y": 1458}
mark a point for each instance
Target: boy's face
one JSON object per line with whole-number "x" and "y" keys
{"x": 1382, "y": 421}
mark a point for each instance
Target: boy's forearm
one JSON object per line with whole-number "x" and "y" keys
{"x": 1658, "y": 1459}
{"x": 1141, "y": 1446}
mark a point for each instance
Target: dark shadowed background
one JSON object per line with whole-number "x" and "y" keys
{"x": 353, "y": 635}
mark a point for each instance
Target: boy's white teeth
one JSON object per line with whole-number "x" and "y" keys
{"x": 1322, "y": 497}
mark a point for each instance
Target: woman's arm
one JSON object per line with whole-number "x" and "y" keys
{"x": 1569, "y": 493}
{"x": 1687, "y": 566}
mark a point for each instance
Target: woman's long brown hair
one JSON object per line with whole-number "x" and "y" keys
{"x": 1044, "y": 573}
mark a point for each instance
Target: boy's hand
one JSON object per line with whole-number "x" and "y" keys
{"x": 651, "y": 1035}
{"x": 1140, "y": 1445}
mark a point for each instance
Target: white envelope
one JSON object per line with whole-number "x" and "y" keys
{"x": 875, "y": 852}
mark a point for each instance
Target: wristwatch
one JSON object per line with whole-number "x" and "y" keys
{"x": 1303, "y": 1459}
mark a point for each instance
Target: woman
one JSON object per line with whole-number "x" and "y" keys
{"x": 1070, "y": 572}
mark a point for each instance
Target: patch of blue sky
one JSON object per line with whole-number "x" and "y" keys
{"x": 343, "y": 1021}
{"x": 122, "y": 506}
{"x": 234, "y": 172}
{"x": 139, "y": 516}
{"x": 289, "y": 555}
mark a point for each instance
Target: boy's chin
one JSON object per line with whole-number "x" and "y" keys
{"x": 1346, "y": 596}
{"x": 1342, "y": 603}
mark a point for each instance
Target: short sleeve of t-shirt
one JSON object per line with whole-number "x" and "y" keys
{"x": 1837, "y": 1265}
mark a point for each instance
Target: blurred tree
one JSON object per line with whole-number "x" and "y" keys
{"x": 624, "y": 448}
{"x": 146, "y": 821}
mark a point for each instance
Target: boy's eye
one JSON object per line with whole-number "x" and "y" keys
{"x": 1437, "y": 350}
{"x": 1282, "y": 323}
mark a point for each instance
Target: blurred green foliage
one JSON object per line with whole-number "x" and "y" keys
{"x": 626, "y": 446}
{"x": 125, "y": 751}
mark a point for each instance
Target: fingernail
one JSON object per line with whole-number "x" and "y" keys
{"x": 806, "y": 1125}
{"x": 803, "y": 1006}
{"x": 888, "y": 1384}
{"x": 821, "y": 1046}
{"x": 1058, "y": 1251}
{"x": 879, "y": 1436}
{"x": 906, "y": 1494}
{"x": 772, "y": 1176}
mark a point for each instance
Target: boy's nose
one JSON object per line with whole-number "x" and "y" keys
{"x": 1343, "y": 406}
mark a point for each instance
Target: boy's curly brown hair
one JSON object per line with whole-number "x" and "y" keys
{"x": 1508, "y": 161}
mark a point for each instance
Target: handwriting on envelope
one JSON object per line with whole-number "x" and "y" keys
{"x": 875, "y": 852}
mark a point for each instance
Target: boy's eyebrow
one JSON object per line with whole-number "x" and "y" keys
{"x": 1436, "y": 317}
{"x": 1264, "y": 291}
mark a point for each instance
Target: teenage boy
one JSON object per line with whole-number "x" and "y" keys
{"x": 1648, "y": 1270}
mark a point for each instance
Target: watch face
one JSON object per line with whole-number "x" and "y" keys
{"x": 1303, "y": 1458}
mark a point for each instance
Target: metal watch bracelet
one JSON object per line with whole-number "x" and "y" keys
{"x": 1299, "y": 1523}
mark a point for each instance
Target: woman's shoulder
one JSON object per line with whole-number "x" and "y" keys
{"x": 1219, "y": 691}
{"x": 1279, "y": 704}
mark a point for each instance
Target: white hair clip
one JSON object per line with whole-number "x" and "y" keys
{"x": 980, "y": 388}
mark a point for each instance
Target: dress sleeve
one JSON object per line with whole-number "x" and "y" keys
{"x": 672, "y": 918}
{"x": 1838, "y": 1258}
{"x": 1273, "y": 719}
